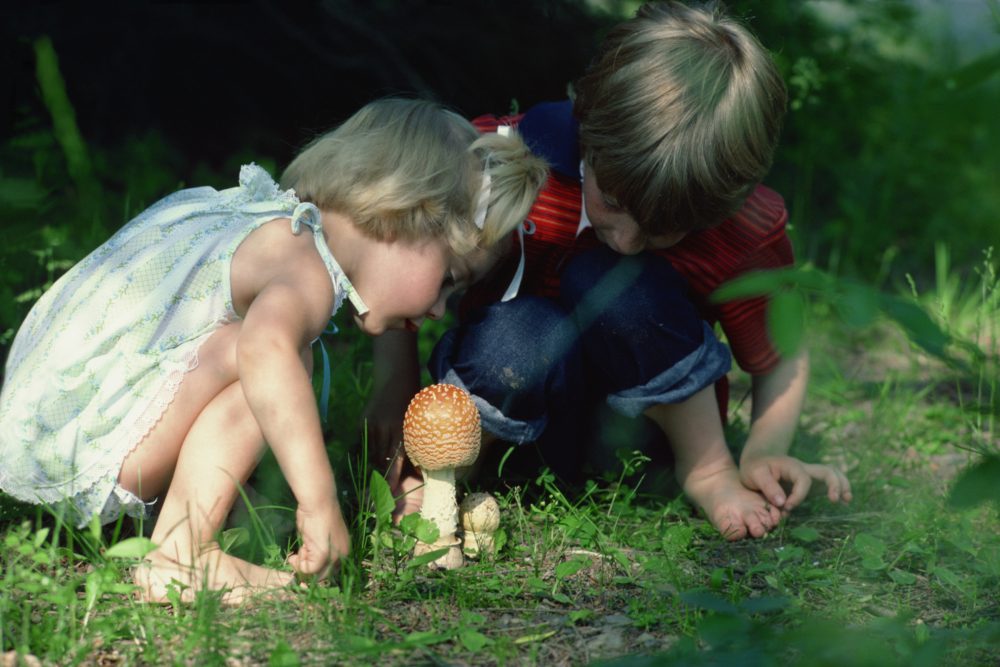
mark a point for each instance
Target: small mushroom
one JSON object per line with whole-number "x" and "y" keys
{"x": 480, "y": 517}
{"x": 441, "y": 432}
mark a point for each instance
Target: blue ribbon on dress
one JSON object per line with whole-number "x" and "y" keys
{"x": 324, "y": 391}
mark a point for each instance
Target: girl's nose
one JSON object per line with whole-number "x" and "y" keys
{"x": 437, "y": 310}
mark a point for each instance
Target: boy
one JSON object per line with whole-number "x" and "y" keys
{"x": 659, "y": 158}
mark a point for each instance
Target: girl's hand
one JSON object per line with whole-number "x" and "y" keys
{"x": 766, "y": 473}
{"x": 325, "y": 540}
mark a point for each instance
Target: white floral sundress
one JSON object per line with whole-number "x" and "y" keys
{"x": 102, "y": 353}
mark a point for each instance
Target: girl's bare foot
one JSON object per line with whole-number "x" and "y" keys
{"x": 213, "y": 570}
{"x": 734, "y": 510}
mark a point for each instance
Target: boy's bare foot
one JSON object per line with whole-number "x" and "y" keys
{"x": 411, "y": 489}
{"x": 734, "y": 510}
{"x": 213, "y": 569}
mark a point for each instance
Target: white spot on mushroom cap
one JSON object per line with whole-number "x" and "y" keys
{"x": 441, "y": 428}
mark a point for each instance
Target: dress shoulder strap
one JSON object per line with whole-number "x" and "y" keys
{"x": 306, "y": 213}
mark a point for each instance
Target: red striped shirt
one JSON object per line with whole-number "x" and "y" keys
{"x": 754, "y": 238}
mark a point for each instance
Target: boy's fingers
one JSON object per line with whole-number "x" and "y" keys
{"x": 801, "y": 483}
{"x": 393, "y": 474}
{"x": 769, "y": 486}
{"x": 830, "y": 477}
{"x": 846, "y": 494}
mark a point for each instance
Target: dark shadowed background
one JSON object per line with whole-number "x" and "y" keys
{"x": 263, "y": 77}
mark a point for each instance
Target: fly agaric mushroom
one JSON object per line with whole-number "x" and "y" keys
{"x": 480, "y": 516}
{"x": 440, "y": 433}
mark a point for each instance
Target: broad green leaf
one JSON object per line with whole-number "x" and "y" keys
{"x": 499, "y": 540}
{"x": 759, "y": 283}
{"x": 423, "y": 529}
{"x": 786, "y": 315}
{"x": 752, "y": 283}
{"x": 902, "y": 577}
{"x": 425, "y": 638}
{"x": 805, "y": 534}
{"x": 382, "y": 498}
{"x": 283, "y": 656}
{"x": 790, "y": 554}
{"x": 424, "y": 559}
{"x": 40, "y": 537}
{"x": 917, "y": 324}
{"x": 867, "y": 544}
{"x": 947, "y": 577}
{"x": 133, "y": 547}
{"x": 570, "y": 567}
{"x": 872, "y": 562}
{"x": 978, "y": 484}
{"x": 472, "y": 640}
{"x": 857, "y": 304}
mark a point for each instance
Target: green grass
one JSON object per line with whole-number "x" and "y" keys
{"x": 899, "y": 577}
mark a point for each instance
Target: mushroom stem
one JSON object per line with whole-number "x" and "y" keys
{"x": 439, "y": 504}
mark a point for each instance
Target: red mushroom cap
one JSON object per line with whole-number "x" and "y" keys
{"x": 441, "y": 428}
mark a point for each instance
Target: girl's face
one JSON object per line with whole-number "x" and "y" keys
{"x": 406, "y": 282}
{"x": 614, "y": 226}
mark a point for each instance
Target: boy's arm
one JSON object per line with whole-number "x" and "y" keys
{"x": 396, "y": 379}
{"x": 777, "y": 402}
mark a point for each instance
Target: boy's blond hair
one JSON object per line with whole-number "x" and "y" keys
{"x": 409, "y": 169}
{"x": 679, "y": 114}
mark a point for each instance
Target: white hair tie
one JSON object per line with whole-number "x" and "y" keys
{"x": 483, "y": 205}
{"x": 484, "y": 200}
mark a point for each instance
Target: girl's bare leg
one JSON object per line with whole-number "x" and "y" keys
{"x": 219, "y": 453}
{"x": 205, "y": 445}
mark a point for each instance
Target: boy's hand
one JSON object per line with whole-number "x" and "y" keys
{"x": 325, "y": 540}
{"x": 384, "y": 421}
{"x": 766, "y": 474}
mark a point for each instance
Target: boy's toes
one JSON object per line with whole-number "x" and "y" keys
{"x": 731, "y": 527}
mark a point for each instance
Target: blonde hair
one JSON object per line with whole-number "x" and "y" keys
{"x": 410, "y": 169}
{"x": 679, "y": 114}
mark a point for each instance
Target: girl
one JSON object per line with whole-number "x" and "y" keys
{"x": 159, "y": 366}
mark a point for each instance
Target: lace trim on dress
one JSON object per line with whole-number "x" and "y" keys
{"x": 257, "y": 185}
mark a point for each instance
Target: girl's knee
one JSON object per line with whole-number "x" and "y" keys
{"x": 217, "y": 355}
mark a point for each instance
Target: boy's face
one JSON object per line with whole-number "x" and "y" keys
{"x": 614, "y": 226}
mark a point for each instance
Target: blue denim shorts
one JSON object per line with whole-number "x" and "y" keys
{"x": 622, "y": 331}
